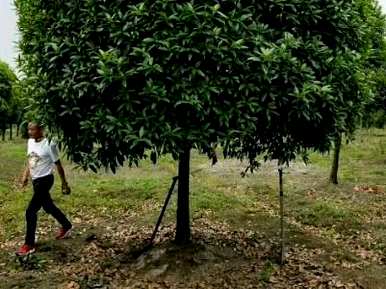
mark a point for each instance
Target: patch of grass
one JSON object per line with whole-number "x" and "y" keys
{"x": 345, "y": 255}
{"x": 266, "y": 272}
{"x": 370, "y": 277}
{"x": 325, "y": 214}
{"x": 214, "y": 200}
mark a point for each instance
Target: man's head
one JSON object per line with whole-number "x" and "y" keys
{"x": 35, "y": 130}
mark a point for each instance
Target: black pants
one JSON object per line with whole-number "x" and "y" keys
{"x": 42, "y": 198}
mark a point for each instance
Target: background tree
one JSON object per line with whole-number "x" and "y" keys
{"x": 375, "y": 111}
{"x": 373, "y": 54}
{"x": 23, "y": 104}
{"x": 7, "y": 81}
{"x": 313, "y": 82}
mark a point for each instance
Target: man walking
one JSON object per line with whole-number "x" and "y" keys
{"x": 43, "y": 156}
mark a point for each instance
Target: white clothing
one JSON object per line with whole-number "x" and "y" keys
{"x": 41, "y": 157}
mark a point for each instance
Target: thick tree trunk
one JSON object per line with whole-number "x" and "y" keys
{"x": 282, "y": 236}
{"x": 335, "y": 161}
{"x": 10, "y": 131}
{"x": 183, "y": 211}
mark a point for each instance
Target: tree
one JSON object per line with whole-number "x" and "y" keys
{"x": 7, "y": 80}
{"x": 373, "y": 52}
{"x": 313, "y": 82}
{"x": 118, "y": 79}
{"x": 375, "y": 111}
{"x": 21, "y": 106}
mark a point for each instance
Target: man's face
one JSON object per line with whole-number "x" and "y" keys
{"x": 34, "y": 131}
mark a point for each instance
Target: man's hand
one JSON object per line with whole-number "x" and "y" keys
{"x": 23, "y": 183}
{"x": 66, "y": 190}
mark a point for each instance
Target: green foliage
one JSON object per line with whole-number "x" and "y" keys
{"x": 374, "y": 110}
{"x": 7, "y": 81}
{"x": 116, "y": 78}
{"x": 23, "y": 111}
{"x": 326, "y": 214}
{"x": 317, "y": 84}
{"x": 266, "y": 272}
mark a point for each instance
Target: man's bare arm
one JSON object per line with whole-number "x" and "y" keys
{"x": 25, "y": 177}
{"x": 65, "y": 187}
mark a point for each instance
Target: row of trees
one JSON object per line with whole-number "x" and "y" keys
{"x": 123, "y": 80}
{"x": 11, "y": 102}
{"x": 371, "y": 112}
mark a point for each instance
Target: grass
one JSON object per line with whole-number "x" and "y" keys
{"x": 267, "y": 271}
{"x": 325, "y": 214}
{"x": 339, "y": 219}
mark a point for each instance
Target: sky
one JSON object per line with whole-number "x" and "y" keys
{"x": 383, "y": 4}
{"x": 9, "y": 36}
{"x": 8, "y": 32}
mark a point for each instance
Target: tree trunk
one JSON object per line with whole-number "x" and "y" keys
{"x": 282, "y": 236}
{"x": 10, "y": 131}
{"x": 3, "y": 132}
{"x": 183, "y": 212}
{"x": 335, "y": 161}
{"x": 17, "y": 130}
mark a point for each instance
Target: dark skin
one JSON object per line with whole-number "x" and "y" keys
{"x": 37, "y": 133}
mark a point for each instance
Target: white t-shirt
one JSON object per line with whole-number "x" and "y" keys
{"x": 41, "y": 157}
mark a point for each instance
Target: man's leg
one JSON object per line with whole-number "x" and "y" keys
{"x": 50, "y": 208}
{"x": 31, "y": 217}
